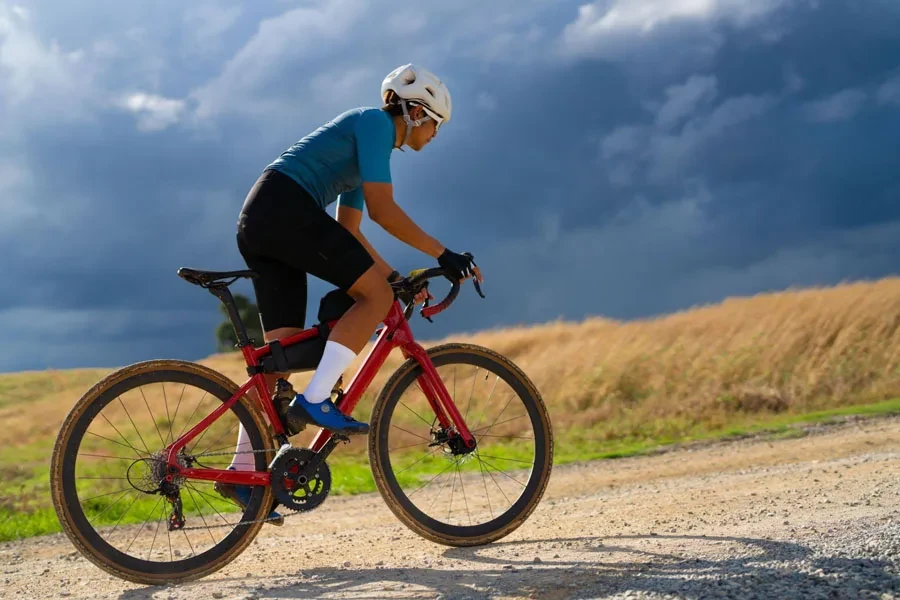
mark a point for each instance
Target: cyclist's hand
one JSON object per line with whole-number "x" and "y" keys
{"x": 459, "y": 266}
{"x": 422, "y": 296}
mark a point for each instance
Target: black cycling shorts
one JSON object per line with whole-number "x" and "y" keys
{"x": 283, "y": 234}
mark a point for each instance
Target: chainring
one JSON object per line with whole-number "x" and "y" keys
{"x": 294, "y": 487}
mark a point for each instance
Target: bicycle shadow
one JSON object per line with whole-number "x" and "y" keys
{"x": 661, "y": 572}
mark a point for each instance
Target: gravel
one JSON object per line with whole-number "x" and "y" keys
{"x": 806, "y": 518}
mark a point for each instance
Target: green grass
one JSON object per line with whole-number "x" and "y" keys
{"x": 25, "y": 508}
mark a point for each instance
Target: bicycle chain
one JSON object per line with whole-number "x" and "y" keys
{"x": 288, "y": 512}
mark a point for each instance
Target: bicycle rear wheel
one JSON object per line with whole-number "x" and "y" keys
{"x": 424, "y": 477}
{"x": 108, "y": 459}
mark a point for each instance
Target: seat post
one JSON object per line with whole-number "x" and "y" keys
{"x": 224, "y": 294}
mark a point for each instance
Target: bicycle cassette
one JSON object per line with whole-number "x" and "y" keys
{"x": 296, "y": 482}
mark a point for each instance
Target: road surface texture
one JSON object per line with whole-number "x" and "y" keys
{"x": 810, "y": 517}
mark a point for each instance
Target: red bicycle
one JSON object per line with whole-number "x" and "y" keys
{"x": 132, "y": 483}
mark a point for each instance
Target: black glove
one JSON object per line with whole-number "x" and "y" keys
{"x": 458, "y": 266}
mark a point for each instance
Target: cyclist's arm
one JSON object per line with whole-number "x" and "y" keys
{"x": 384, "y": 211}
{"x": 374, "y": 142}
{"x": 350, "y": 218}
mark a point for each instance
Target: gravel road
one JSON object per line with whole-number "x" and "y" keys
{"x": 811, "y": 517}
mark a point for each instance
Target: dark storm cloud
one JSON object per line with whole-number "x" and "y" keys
{"x": 593, "y": 168}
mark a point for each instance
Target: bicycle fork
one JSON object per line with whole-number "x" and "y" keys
{"x": 397, "y": 333}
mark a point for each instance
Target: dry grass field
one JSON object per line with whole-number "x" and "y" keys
{"x": 612, "y": 388}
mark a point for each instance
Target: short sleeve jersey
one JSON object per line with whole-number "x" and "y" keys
{"x": 333, "y": 162}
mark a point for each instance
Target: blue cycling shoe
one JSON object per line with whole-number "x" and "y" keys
{"x": 322, "y": 414}
{"x": 240, "y": 494}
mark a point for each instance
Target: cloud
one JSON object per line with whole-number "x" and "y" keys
{"x": 666, "y": 165}
{"x": 685, "y": 122}
{"x": 292, "y": 45}
{"x": 682, "y": 100}
{"x": 206, "y": 22}
{"x": 609, "y": 28}
{"x": 153, "y": 112}
{"x": 34, "y": 74}
{"x": 889, "y": 92}
{"x": 837, "y": 107}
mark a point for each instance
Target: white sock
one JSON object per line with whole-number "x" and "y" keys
{"x": 335, "y": 361}
{"x": 243, "y": 462}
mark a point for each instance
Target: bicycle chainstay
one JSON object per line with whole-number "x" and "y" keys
{"x": 287, "y": 511}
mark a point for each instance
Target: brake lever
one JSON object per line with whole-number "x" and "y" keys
{"x": 477, "y": 287}
{"x": 424, "y": 306}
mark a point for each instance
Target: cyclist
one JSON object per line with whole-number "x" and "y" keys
{"x": 284, "y": 232}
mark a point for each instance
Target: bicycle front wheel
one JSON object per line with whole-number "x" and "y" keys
{"x": 433, "y": 486}
{"x": 108, "y": 462}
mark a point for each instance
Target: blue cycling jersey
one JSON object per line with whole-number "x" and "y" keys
{"x": 332, "y": 162}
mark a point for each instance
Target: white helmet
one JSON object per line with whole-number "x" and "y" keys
{"x": 419, "y": 86}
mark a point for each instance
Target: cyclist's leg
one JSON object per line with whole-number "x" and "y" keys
{"x": 282, "y": 224}
{"x": 342, "y": 260}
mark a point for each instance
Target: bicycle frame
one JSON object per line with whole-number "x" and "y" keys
{"x": 395, "y": 333}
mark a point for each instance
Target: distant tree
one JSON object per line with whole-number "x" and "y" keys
{"x": 226, "y": 338}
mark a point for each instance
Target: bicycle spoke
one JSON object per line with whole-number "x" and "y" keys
{"x": 218, "y": 439}
{"x": 421, "y": 418}
{"x": 454, "y": 388}
{"x": 141, "y": 528}
{"x": 169, "y": 537}
{"x": 527, "y": 462}
{"x": 106, "y": 494}
{"x": 153, "y": 541}
{"x": 147, "y": 404}
{"x": 504, "y": 473}
{"x": 106, "y": 456}
{"x": 103, "y": 512}
{"x": 492, "y": 425}
{"x": 486, "y": 495}
{"x": 495, "y": 481}
{"x": 202, "y": 518}
{"x": 127, "y": 510}
{"x": 507, "y": 437}
{"x": 190, "y": 418}
{"x": 120, "y": 435}
{"x": 505, "y": 406}
{"x": 452, "y": 486}
{"x": 168, "y": 418}
{"x": 471, "y": 393}
{"x": 188, "y": 540}
{"x": 428, "y": 454}
{"x": 416, "y": 445}
{"x": 146, "y": 447}
{"x": 462, "y": 489}
{"x": 411, "y": 433}
{"x": 204, "y": 495}
{"x": 438, "y": 495}
{"x": 487, "y": 403}
{"x": 177, "y": 406}
{"x": 430, "y": 480}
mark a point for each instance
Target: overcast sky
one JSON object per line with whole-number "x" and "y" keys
{"x": 621, "y": 158}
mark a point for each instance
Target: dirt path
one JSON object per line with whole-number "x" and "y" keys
{"x": 814, "y": 517}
